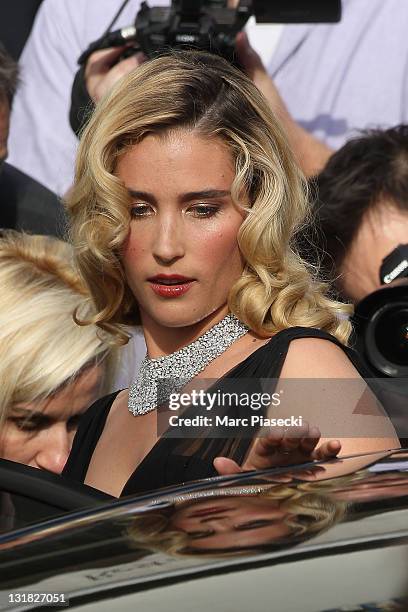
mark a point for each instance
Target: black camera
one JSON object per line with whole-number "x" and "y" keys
{"x": 381, "y": 319}
{"x": 381, "y": 337}
{"x": 208, "y": 25}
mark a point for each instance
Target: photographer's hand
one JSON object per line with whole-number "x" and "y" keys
{"x": 311, "y": 154}
{"x": 101, "y": 71}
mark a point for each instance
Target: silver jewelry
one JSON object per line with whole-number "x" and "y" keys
{"x": 221, "y": 492}
{"x": 174, "y": 371}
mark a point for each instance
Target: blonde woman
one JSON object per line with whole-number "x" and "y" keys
{"x": 185, "y": 211}
{"x": 51, "y": 369}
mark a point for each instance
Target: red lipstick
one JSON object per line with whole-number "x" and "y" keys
{"x": 170, "y": 285}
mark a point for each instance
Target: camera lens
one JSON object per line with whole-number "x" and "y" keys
{"x": 387, "y": 339}
{"x": 391, "y": 335}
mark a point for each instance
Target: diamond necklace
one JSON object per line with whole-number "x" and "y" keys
{"x": 176, "y": 370}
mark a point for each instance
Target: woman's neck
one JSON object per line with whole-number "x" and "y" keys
{"x": 162, "y": 340}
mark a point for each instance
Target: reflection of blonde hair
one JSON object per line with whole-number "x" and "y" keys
{"x": 200, "y": 92}
{"x": 308, "y": 513}
{"x": 41, "y": 347}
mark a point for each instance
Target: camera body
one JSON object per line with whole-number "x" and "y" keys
{"x": 208, "y": 25}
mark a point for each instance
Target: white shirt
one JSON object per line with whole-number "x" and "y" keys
{"x": 41, "y": 141}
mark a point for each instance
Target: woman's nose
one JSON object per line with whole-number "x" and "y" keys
{"x": 169, "y": 241}
{"x": 54, "y": 449}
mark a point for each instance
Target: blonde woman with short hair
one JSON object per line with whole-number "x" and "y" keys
{"x": 185, "y": 211}
{"x": 51, "y": 369}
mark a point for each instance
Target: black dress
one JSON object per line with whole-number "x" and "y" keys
{"x": 176, "y": 460}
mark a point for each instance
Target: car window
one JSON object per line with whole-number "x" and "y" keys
{"x": 17, "y": 510}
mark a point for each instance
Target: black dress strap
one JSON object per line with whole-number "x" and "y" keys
{"x": 89, "y": 431}
{"x": 283, "y": 338}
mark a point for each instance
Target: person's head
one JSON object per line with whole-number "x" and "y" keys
{"x": 183, "y": 169}
{"x": 280, "y": 516}
{"x": 362, "y": 208}
{"x": 8, "y": 84}
{"x": 51, "y": 369}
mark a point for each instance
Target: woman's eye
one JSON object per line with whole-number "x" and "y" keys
{"x": 23, "y": 424}
{"x": 255, "y": 524}
{"x": 203, "y": 210}
{"x": 197, "y": 535}
{"x": 140, "y": 210}
{"x": 73, "y": 422}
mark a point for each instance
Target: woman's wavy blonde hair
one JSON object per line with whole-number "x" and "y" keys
{"x": 41, "y": 347}
{"x": 201, "y": 92}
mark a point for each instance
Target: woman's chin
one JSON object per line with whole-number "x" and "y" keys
{"x": 180, "y": 317}
{"x": 178, "y": 321}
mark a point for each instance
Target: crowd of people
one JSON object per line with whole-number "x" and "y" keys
{"x": 224, "y": 220}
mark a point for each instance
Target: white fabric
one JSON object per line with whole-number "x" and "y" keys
{"x": 41, "y": 141}
{"x": 334, "y": 78}
{"x": 352, "y": 75}
{"x": 131, "y": 356}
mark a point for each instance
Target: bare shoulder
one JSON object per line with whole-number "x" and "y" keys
{"x": 347, "y": 412}
{"x": 317, "y": 358}
{"x": 117, "y": 408}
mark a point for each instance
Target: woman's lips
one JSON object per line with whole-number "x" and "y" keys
{"x": 171, "y": 291}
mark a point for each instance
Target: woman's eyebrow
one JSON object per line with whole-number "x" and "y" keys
{"x": 33, "y": 416}
{"x": 143, "y": 195}
{"x": 205, "y": 194}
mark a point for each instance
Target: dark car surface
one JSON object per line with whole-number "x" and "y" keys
{"x": 29, "y": 495}
{"x": 317, "y": 537}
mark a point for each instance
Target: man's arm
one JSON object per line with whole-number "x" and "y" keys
{"x": 310, "y": 153}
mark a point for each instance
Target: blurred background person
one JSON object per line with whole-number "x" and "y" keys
{"x": 362, "y": 209}
{"x": 51, "y": 369}
{"x": 16, "y": 20}
{"x": 24, "y": 203}
{"x": 361, "y": 215}
{"x": 328, "y": 79}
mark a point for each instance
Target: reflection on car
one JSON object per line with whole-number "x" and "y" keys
{"x": 283, "y": 539}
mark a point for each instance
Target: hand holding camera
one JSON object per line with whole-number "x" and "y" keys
{"x": 211, "y": 25}
{"x": 103, "y": 69}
